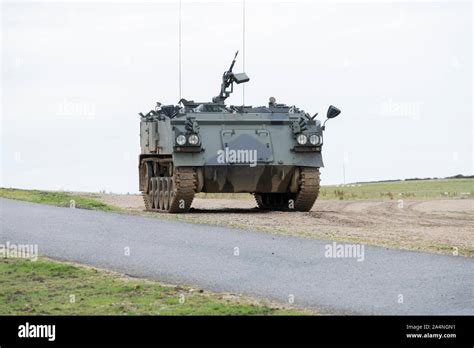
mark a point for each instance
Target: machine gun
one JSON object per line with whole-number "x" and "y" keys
{"x": 228, "y": 80}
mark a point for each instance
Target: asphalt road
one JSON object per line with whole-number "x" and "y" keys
{"x": 271, "y": 266}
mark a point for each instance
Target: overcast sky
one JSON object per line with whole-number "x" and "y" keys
{"x": 75, "y": 76}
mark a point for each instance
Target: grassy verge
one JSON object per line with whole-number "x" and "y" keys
{"x": 47, "y": 287}
{"x": 413, "y": 189}
{"x": 62, "y": 199}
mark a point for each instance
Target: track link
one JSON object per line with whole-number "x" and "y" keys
{"x": 309, "y": 189}
{"x": 185, "y": 182}
{"x": 145, "y": 201}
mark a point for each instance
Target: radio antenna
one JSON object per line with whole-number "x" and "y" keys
{"x": 243, "y": 48}
{"x": 179, "y": 49}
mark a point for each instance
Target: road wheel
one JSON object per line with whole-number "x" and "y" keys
{"x": 149, "y": 197}
{"x": 161, "y": 195}
{"x": 156, "y": 193}
{"x": 148, "y": 168}
{"x": 166, "y": 194}
{"x": 147, "y": 172}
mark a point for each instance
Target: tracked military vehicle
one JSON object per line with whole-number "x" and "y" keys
{"x": 272, "y": 152}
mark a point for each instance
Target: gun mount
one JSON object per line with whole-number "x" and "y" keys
{"x": 228, "y": 79}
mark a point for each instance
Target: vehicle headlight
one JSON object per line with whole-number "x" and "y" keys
{"x": 193, "y": 139}
{"x": 181, "y": 139}
{"x": 315, "y": 139}
{"x": 301, "y": 139}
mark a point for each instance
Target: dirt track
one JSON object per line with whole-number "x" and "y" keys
{"x": 431, "y": 225}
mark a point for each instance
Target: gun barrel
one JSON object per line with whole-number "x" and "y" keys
{"x": 228, "y": 78}
{"x": 233, "y": 61}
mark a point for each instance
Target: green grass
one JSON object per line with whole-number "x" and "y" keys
{"x": 412, "y": 189}
{"x": 62, "y": 199}
{"x": 416, "y": 189}
{"x": 47, "y": 287}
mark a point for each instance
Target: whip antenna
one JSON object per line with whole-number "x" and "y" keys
{"x": 243, "y": 48}
{"x": 179, "y": 49}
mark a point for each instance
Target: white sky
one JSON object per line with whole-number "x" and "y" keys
{"x": 75, "y": 76}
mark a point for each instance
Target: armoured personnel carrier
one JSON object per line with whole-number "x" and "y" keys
{"x": 272, "y": 152}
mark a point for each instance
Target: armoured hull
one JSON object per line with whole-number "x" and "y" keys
{"x": 247, "y": 152}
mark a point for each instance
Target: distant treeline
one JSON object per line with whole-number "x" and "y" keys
{"x": 459, "y": 176}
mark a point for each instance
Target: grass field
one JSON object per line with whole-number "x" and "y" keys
{"x": 413, "y": 189}
{"x": 62, "y": 199}
{"x": 47, "y": 287}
